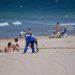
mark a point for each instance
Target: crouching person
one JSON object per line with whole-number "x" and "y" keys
{"x": 16, "y": 45}
{"x": 29, "y": 42}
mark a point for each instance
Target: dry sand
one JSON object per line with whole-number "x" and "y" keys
{"x": 56, "y": 57}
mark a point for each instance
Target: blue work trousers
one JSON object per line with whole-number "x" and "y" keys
{"x": 32, "y": 46}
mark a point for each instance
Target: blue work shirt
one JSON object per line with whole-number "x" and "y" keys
{"x": 30, "y": 38}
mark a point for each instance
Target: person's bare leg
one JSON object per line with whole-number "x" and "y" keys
{"x": 37, "y": 45}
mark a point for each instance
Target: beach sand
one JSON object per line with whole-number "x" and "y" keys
{"x": 56, "y": 56}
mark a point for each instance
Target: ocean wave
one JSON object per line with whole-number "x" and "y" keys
{"x": 12, "y": 23}
{"x": 69, "y": 26}
{"x": 4, "y": 24}
{"x": 16, "y": 23}
{"x": 66, "y": 24}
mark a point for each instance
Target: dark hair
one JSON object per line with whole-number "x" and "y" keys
{"x": 57, "y": 22}
{"x": 9, "y": 43}
{"x": 16, "y": 39}
{"x": 31, "y": 33}
{"x": 24, "y": 30}
{"x": 29, "y": 28}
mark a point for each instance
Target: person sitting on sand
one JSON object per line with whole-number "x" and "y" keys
{"x": 16, "y": 45}
{"x": 9, "y": 47}
{"x": 57, "y": 27}
{"x": 57, "y": 33}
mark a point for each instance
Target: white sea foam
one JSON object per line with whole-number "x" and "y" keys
{"x": 69, "y": 26}
{"x": 16, "y": 23}
{"x": 64, "y": 24}
{"x": 4, "y": 24}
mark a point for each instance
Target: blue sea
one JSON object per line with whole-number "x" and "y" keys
{"x": 39, "y": 15}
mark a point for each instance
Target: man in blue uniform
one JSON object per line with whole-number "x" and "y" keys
{"x": 29, "y": 42}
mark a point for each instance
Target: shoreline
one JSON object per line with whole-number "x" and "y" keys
{"x": 44, "y": 42}
{"x": 35, "y": 36}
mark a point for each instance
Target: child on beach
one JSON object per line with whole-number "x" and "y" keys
{"x": 16, "y": 45}
{"x": 9, "y": 47}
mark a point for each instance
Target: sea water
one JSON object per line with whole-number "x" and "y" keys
{"x": 40, "y": 15}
